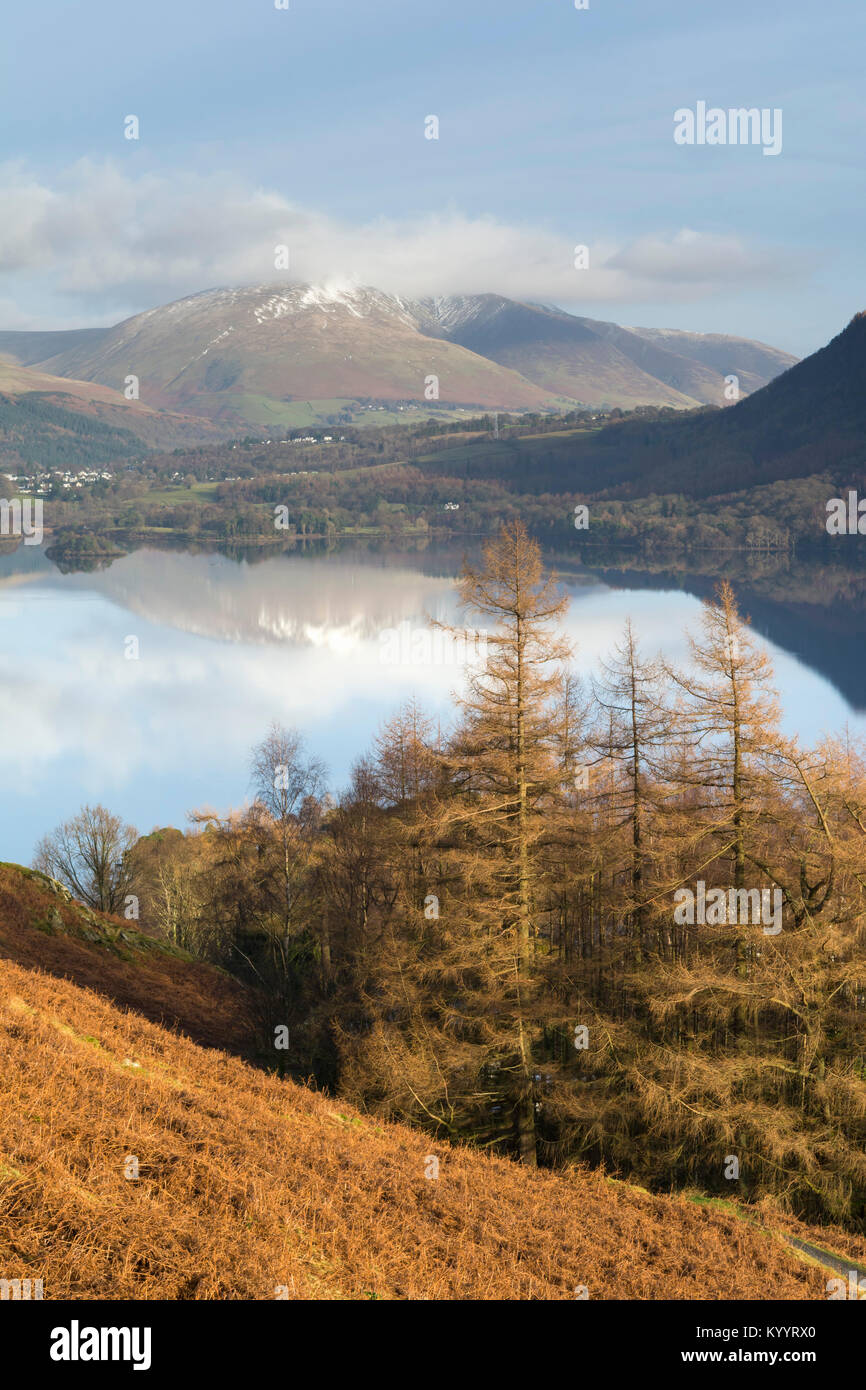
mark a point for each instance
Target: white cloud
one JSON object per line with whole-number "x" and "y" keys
{"x": 694, "y": 259}
{"x": 103, "y": 239}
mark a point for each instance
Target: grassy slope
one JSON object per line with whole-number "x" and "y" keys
{"x": 16, "y": 380}
{"x": 248, "y": 1184}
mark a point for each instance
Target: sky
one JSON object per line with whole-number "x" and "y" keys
{"x": 307, "y": 127}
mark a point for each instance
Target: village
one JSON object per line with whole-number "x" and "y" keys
{"x": 43, "y": 484}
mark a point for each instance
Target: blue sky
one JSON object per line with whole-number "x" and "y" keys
{"x": 306, "y": 126}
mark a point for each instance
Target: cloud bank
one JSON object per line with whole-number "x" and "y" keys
{"x": 99, "y": 242}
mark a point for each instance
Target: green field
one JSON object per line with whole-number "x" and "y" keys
{"x": 171, "y": 496}
{"x": 268, "y": 411}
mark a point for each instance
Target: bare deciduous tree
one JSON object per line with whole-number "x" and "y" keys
{"x": 91, "y": 855}
{"x": 289, "y": 785}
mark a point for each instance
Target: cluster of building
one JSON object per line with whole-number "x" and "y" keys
{"x": 42, "y": 483}
{"x": 302, "y": 439}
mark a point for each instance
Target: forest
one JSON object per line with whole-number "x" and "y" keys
{"x": 481, "y": 935}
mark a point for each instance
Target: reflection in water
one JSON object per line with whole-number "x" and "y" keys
{"x": 298, "y": 600}
{"x": 227, "y": 645}
{"x": 814, "y": 612}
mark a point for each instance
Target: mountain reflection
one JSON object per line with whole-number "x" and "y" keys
{"x": 229, "y": 644}
{"x": 295, "y": 599}
{"x": 339, "y": 600}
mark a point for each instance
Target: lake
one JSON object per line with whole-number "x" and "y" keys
{"x": 226, "y": 645}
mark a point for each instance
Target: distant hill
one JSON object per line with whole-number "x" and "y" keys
{"x": 272, "y": 354}
{"x": 753, "y": 363}
{"x": 28, "y": 346}
{"x": 236, "y": 354}
{"x": 63, "y": 422}
{"x": 809, "y": 420}
{"x": 54, "y": 431}
{"x": 601, "y": 363}
{"x": 254, "y": 1188}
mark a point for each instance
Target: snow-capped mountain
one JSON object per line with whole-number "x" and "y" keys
{"x": 246, "y": 354}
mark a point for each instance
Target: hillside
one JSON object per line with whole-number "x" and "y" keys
{"x": 59, "y": 421}
{"x": 29, "y": 346}
{"x": 42, "y": 927}
{"x": 754, "y": 363}
{"x": 601, "y": 363}
{"x": 248, "y": 1185}
{"x": 287, "y": 354}
{"x": 810, "y": 420}
{"x": 54, "y": 431}
{"x": 221, "y": 353}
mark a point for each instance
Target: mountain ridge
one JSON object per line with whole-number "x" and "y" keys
{"x": 809, "y": 420}
{"x": 246, "y": 355}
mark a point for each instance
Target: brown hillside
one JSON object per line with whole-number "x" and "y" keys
{"x": 40, "y": 925}
{"x": 154, "y": 426}
{"x": 248, "y": 1184}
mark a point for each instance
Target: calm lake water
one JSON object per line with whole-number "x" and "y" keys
{"x": 225, "y": 646}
